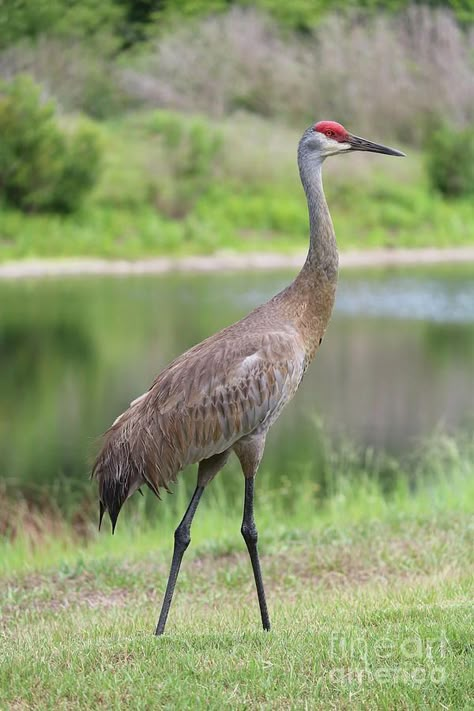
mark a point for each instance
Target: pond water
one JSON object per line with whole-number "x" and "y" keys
{"x": 397, "y": 362}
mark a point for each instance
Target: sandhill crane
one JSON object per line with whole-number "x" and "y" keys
{"x": 223, "y": 394}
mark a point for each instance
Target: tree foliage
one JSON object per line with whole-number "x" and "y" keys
{"x": 120, "y": 24}
{"x": 189, "y": 146}
{"x": 41, "y": 167}
{"x": 450, "y": 156}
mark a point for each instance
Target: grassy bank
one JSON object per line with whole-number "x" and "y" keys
{"x": 249, "y": 199}
{"x": 371, "y": 616}
{"x": 353, "y": 486}
{"x": 370, "y": 594}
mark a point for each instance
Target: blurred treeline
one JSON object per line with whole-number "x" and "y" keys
{"x": 391, "y": 65}
{"x": 124, "y": 23}
{"x": 188, "y": 108}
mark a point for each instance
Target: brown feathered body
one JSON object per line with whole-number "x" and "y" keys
{"x": 224, "y": 393}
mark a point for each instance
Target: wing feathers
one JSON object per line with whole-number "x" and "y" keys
{"x": 205, "y": 401}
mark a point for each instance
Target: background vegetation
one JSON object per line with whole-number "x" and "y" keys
{"x": 193, "y": 115}
{"x": 139, "y": 127}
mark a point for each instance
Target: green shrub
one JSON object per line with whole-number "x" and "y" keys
{"x": 80, "y": 169}
{"x": 101, "y": 97}
{"x": 42, "y": 167}
{"x": 190, "y": 146}
{"x": 450, "y": 158}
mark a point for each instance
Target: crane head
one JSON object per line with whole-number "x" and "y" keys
{"x": 328, "y": 138}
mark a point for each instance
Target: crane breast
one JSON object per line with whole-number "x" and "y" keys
{"x": 226, "y": 387}
{"x": 251, "y": 396}
{"x": 209, "y": 398}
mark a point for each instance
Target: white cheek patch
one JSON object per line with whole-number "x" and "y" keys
{"x": 330, "y": 146}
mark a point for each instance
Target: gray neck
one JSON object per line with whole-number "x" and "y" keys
{"x": 322, "y": 252}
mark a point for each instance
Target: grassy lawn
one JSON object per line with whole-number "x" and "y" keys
{"x": 375, "y": 616}
{"x": 370, "y": 595}
{"x": 154, "y": 200}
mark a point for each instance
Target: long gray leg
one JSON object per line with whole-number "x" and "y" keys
{"x": 249, "y": 452}
{"x": 250, "y": 534}
{"x": 182, "y": 539}
{"x": 208, "y": 468}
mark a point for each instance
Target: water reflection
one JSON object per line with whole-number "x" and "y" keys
{"x": 405, "y": 296}
{"x": 397, "y": 361}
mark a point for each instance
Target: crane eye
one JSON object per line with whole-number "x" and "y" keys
{"x": 329, "y": 133}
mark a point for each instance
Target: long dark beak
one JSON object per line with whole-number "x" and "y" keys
{"x": 361, "y": 144}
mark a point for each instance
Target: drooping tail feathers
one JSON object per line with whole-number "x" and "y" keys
{"x": 120, "y": 467}
{"x": 115, "y": 471}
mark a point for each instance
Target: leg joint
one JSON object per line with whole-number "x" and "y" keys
{"x": 249, "y": 532}
{"x": 182, "y": 537}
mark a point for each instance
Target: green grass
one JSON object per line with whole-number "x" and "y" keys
{"x": 371, "y": 617}
{"x": 251, "y": 200}
{"x": 370, "y": 596}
